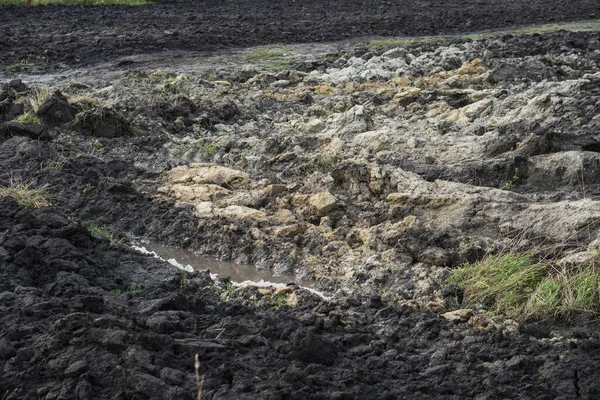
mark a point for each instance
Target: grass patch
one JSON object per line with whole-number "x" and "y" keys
{"x": 324, "y": 164}
{"x": 591, "y": 25}
{"x": 566, "y": 293}
{"x": 28, "y": 118}
{"x": 502, "y": 283}
{"x": 207, "y": 147}
{"x": 135, "y": 288}
{"x": 265, "y": 54}
{"x": 271, "y": 58}
{"x": 38, "y": 96}
{"x": 56, "y": 164}
{"x": 520, "y": 287}
{"x": 26, "y": 195}
{"x": 17, "y": 65}
{"x": 512, "y": 183}
{"x": 136, "y": 76}
{"x": 101, "y": 232}
{"x": 84, "y": 103}
{"x": 163, "y": 75}
{"x": 225, "y": 291}
{"x": 278, "y": 301}
{"x": 404, "y": 41}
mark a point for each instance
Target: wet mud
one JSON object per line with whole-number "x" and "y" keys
{"x": 372, "y": 170}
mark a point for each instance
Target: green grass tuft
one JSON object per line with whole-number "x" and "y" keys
{"x": 135, "y": 288}
{"x": 279, "y": 301}
{"x": 265, "y": 54}
{"x": 207, "y": 147}
{"x": 28, "y": 118}
{"x": 102, "y": 232}
{"x": 17, "y": 65}
{"x": 520, "y": 287}
{"x": 566, "y": 293}
{"x": 501, "y": 283}
{"x": 273, "y": 59}
{"x": 324, "y": 164}
{"x": 512, "y": 183}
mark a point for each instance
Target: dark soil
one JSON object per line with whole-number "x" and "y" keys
{"x": 67, "y": 334}
{"x": 84, "y": 318}
{"x": 76, "y": 35}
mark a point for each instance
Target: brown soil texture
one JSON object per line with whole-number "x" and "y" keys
{"x": 84, "y": 35}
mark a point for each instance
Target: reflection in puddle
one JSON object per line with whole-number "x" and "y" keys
{"x": 241, "y": 275}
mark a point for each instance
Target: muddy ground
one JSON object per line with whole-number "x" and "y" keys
{"x": 370, "y": 168}
{"x": 65, "y": 335}
{"x": 65, "y": 35}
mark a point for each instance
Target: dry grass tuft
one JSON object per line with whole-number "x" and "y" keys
{"x": 198, "y": 381}
{"x": 26, "y": 195}
{"x": 37, "y": 97}
{"x": 84, "y": 103}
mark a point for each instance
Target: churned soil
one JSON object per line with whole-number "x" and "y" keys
{"x": 87, "y": 317}
{"x": 83, "y": 34}
{"x": 84, "y": 318}
{"x": 68, "y": 332}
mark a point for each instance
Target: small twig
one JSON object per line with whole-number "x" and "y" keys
{"x": 220, "y": 330}
{"x": 582, "y": 182}
{"x": 198, "y": 382}
{"x": 8, "y": 394}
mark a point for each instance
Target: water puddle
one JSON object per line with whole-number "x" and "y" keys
{"x": 241, "y": 275}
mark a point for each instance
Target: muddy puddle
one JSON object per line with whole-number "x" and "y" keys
{"x": 240, "y": 274}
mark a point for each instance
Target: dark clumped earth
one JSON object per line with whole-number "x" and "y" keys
{"x": 301, "y": 138}
{"x": 64, "y": 335}
{"x": 83, "y": 35}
